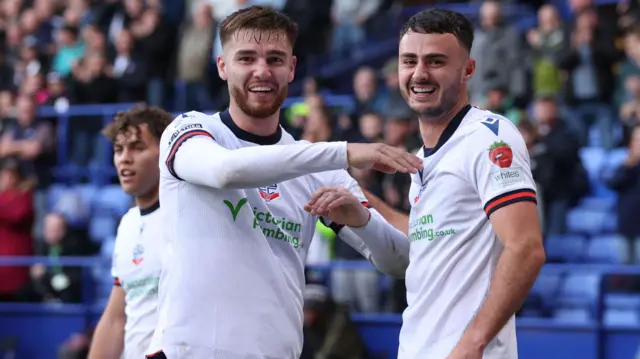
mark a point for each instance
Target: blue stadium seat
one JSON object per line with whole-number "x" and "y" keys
{"x": 101, "y": 227}
{"x": 609, "y": 249}
{"x": 102, "y": 272}
{"x": 593, "y": 158}
{"x": 113, "y": 199}
{"x": 621, "y": 317}
{"x": 622, "y": 301}
{"x": 88, "y": 193}
{"x": 584, "y": 221}
{"x": 616, "y": 157}
{"x": 566, "y": 248}
{"x": 573, "y": 315}
{"x": 55, "y": 192}
{"x": 593, "y": 203}
{"x": 579, "y": 290}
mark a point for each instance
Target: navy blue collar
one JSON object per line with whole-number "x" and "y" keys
{"x": 448, "y": 131}
{"x": 248, "y": 136}
{"x": 148, "y": 210}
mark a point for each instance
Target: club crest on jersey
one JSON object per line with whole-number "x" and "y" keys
{"x": 501, "y": 154}
{"x": 138, "y": 252}
{"x": 269, "y": 193}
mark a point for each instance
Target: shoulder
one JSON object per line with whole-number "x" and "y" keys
{"x": 486, "y": 128}
{"x": 128, "y": 222}
{"x": 192, "y": 123}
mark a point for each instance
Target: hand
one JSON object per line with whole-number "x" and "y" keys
{"x": 37, "y": 271}
{"x": 533, "y": 37}
{"x": 382, "y": 157}
{"x": 339, "y": 205}
{"x": 463, "y": 351}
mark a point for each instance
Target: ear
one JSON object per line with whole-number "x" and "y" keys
{"x": 222, "y": 72}
{"x": 469, "y": 69}
{"x": 292, "y": 71}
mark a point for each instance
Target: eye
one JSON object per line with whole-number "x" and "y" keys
{"x": 245, "y": 59}
{"x": 436, "y": 63}
{"x": 409, "y": 62}
{"x": 276, "y": 60}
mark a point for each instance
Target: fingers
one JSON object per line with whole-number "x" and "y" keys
{"x": 393, "y": 160}
{"x": 317, "y": 194}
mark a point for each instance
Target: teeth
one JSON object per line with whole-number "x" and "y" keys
{"x": 260, "y": 89}
{"x": 428, "y": 89}
{"x": 127, "y": 173}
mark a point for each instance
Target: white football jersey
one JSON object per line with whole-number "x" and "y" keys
{"x": 136, "y": 268}
{"x": 233, "y": 279}
{"x": 479, "y": 165}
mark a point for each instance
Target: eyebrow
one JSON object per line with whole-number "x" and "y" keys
{"x": 431, "y": 56}
{"x": 254, "y": 53}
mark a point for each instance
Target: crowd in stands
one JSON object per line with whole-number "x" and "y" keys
{"x": 569, "y": 84}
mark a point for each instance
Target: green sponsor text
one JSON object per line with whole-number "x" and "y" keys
{"x": 423, "y": 229}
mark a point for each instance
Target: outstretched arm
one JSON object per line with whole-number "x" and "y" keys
{"x": 192, "y": 153}
{"x": 393, "y": 216}
{"x": 362, "y": 228}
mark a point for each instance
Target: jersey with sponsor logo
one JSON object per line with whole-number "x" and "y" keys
{"x": 234, "y": 275}
{"x": 480, "y": 164}
{"x": 136, "y": 268}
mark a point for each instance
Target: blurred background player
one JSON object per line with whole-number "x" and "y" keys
{"x": 128, "y": 322}
{"x": 233, "y": 186}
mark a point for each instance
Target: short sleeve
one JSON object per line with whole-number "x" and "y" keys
{"x": 499, "y": 165}
{"x": 184, "y": 127}
{"x": 114, "y": 268}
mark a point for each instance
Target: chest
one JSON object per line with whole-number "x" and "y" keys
{"x": 138, "y": 255}
{"x": 444, "y": 205}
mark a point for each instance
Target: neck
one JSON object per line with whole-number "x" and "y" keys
{"x": 431, "y": 128}
{"x": 257, "y": 126}
{"x": 149, "y": 199}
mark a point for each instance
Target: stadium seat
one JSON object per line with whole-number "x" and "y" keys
{"x": 579, "y": 290}
{"x": 565, "y": 248}
{"x": 584, "y": 221}
{"x": 55, "y": 192}
{"x": 609, "y": 249}
{"x": 615, "y": 158}
{"x": 621, "y": 317}
{"x": 573, "y": 315}
{"x": 593, "y": 158}
{"x": 101, "y": 227}
{"x": 622, "y": 301}
{"x": 112, "y": 198}
{"x": 88, "y": 193}
{"x": 593, "y": 203}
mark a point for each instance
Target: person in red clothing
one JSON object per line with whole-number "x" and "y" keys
{"x": 16, "y": 222}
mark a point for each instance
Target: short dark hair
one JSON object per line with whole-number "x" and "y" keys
{"x": 155, "y": 118}
{"x": 259, "y": 18}
{"x": 440, "y": 21}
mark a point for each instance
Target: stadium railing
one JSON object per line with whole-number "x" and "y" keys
{"x": 49, "y": 324}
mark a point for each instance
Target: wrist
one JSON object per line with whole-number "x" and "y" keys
{"x": 365, "y": 218}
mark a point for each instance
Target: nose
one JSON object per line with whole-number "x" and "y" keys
{"x": 261, "y": 69}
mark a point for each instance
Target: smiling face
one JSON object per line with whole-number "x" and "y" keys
{"x": 257, "y": 60}
{"x": 434, "y": 64}
{"x": 258, "y": 67}
{"x": 433, "y": 72}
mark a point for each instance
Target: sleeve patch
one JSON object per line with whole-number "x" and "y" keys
{"x": 182, "y": 138}
{"x": 366, "y": 204}
{"x": 508, "y": 198}
{"x": 116, "y": 282}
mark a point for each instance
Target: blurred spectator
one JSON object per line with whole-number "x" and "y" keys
{"x": 16, "y": 221}
{"x": 495, "y": 39}
{"x": 128, "y": 69}
{"x": 556, "y": 165}
{"x": 57, "y": 90}
{"x": 630, "y": 110}
{"x": 368, "y": 95}
{"x": 547, "y": 42}
{"x": 54, "y": 283}
{"x": 626, "y": 181}
{"x": 92, "y": 82}
{"x": 587, "y": 68}
{"x": 349, "y": 17}
{"x": 371, "y": 127}
{"x": 629, "y": 67}
{"x": 393, "y": 98}
{"x": 499, "y": 101}
{"x": 6, "y": 74}
{"x": 70, "y": 50}
{"x": 328, "y": 329}
{"x": 194, "y": 56}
